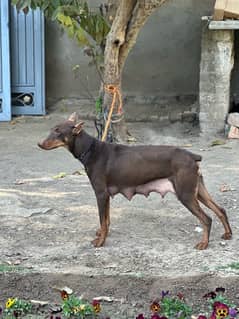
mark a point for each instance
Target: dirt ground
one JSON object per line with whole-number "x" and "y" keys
{"x": 48, "y": 222}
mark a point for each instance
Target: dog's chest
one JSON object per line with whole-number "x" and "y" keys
{"x": 161, "y": 186}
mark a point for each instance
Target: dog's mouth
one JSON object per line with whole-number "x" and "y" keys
{"x": 50, "y": 144}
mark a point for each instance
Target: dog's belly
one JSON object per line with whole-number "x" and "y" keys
{"x": 161, "y": 186}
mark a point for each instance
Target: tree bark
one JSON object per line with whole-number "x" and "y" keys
{"x": 129, "y": 18}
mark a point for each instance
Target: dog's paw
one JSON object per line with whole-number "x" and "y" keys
{"x": 227, "y": 236}
{"x": 98, "y": 242}
{"x": 202, "y": 245}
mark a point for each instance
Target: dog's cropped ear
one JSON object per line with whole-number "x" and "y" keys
{"x": 77, "y": 128}
{"x": 73, "y": 117}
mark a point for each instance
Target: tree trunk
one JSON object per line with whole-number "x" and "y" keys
{"x": 129, "y": 18}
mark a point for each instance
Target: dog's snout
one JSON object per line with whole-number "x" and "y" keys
{"x": 40, "y": 144}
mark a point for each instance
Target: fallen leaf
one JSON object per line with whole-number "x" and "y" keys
{"x": 39, "y": 211}
{"x": 60, "y": 175}
{"x": 104, "y": 298}
{"x": 218, "y": 142}
{"x": 17, "y": 262}
{"x": 68, "y": 290}
{"x": 79, "y": 172}
{"x": 19, "y": 182}
{"x": 131, "y": 139}
{"x": 39, "y": 302}
{"x": 187, "y": 145}
{"x": 225, "y": 188}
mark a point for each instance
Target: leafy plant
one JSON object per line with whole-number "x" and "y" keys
{"x": 16, "y": 307}
{"x": 11, "y": 268}
{"x": 73, "y": 306}
{"x": 234, "y": 265}
{"x": 222, "y": 299}
{"x": 173, "y": 307}
{"x": 89, "y": 28}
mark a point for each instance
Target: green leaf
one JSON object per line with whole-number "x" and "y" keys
{"x": 98, "y": 104}
{"x": 82, "y": 37}
{"x": 60, "y": 175}
{"x": 21, "y": 4}
{"x": 218, "y": 142}
{"x": 45, "y": 5}
{"x": 65, "y": 20}
{"x": 71, "y": 31}
{"x": 55, "y": 14}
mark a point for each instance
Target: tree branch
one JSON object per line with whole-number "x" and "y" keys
{"x": 142, "y": 10}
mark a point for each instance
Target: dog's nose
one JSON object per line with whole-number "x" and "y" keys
{"x": 40, "y": 144}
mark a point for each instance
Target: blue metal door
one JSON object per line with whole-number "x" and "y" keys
{"x": 27, "y": 62}
{"x": 5, "y": 96}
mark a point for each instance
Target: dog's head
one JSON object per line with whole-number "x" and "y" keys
{"x": 63, "y": 133}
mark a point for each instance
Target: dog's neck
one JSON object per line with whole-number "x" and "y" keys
{"x": 82, "y": 146}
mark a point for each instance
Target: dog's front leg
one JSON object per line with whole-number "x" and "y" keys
{"x": 103, "y": 202}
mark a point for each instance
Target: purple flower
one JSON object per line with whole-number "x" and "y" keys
{"x": 140, "y": 316}
{"x": 155, "y": 316}
{"x": 164, "y": 293}
{"x": 202, "y": 317}
{"x": 220, "y": 289}
{"x": 233, "y": 312}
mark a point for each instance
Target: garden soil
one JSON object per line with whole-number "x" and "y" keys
{"x": 49, "y": 217}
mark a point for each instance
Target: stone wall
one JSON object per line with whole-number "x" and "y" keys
{"x": 217, "y": 61}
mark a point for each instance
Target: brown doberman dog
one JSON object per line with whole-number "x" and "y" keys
{"x": 130, "y": 170}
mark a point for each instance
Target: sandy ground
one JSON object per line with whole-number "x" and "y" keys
{"x": 47, "y": 222}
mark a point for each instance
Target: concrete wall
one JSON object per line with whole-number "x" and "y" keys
{"x": 235, "y": 74}
{"x": 163, "y": 64}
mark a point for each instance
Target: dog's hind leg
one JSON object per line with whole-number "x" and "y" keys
{"x": 205, "y": 198}
{"x": 193, "y": 205}
{"x": 103, "y": 201}
{"x": 186, "y": 190}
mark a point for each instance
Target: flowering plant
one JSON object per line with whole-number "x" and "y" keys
{"x": 77, "y": 307}
{"x": 168, "y": 307}
{"x": 165, "y": 307}
{"x": 220, "y": 306}
{"x": 16, "y": 307}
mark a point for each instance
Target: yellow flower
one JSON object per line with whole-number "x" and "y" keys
{"x": 78, "y": 309}
{"x": 96, "y": 305}
{"x": 82, "y": 307}
{"x": 75, "y": 310}
{"x": 10, "y": 302}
